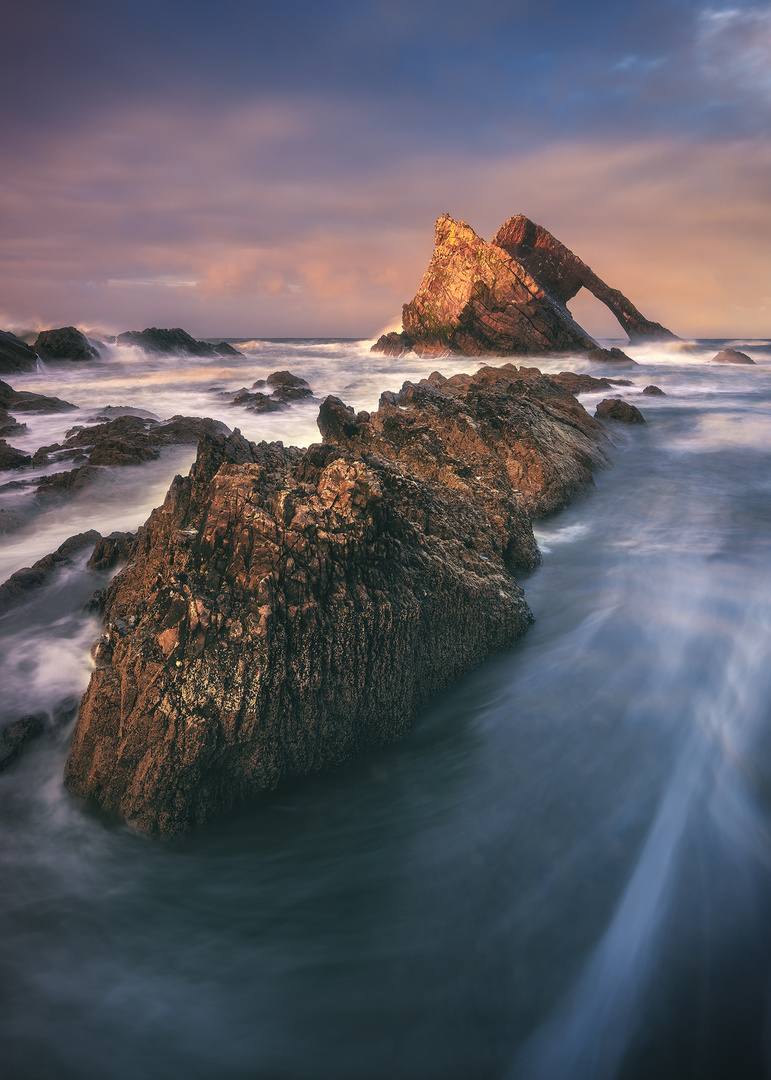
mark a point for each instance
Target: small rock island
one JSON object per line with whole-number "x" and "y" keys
{"x": 506, "y": 298}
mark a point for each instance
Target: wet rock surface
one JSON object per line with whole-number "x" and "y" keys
{"x": 11, "y": 458}
{"x": 286, "y": 389}
{"x": 25, "y": 580}
{"x": 285, "y": 610}
{"x": 126, "y": 440}
{"x": 26, "y": 401}
{"x": 65, "y": 343}
{"x": 15, "y": 737}
{"x": 623, "y": 412}
{"x": 507, "y": 298}
{"x": 653, "y": 391}
{"x": 610, "y": 356}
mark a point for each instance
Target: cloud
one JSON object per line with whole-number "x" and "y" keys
{"x": 734, "y": 47}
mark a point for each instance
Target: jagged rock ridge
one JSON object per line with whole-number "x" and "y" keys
{"x": 505, "y": 298}
{"x": 285, "y": 610}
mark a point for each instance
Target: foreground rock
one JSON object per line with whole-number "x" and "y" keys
{"x": 286, "y": 610}
{"x": 506, "y": 298}
{"x": 15, "y": 354}
{"x": 732, "y": 356}
{"x": 66, "y": 343}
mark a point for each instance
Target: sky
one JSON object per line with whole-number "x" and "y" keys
{"x": 275, "y": 169}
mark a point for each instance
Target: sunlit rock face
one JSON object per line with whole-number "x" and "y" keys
{"x": 505, "y": 298}
{"x": 475, "y": 300}
{"x": 286, "y": 610}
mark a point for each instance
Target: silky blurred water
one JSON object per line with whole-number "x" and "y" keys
{"x": 563, "y": 874}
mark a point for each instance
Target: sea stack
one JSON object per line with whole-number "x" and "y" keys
{"x": 505, "y": 298}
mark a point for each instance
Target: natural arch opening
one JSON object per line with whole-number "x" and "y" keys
{"x": 596, "y": 318}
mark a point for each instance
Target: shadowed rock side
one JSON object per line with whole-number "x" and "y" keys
{"x": 65, "y": 343}
{"x": 288, "y": 609}
{"x": 563, "y": 274}
{"x": 505, "y": 298}
{"x": 15, "y": 354}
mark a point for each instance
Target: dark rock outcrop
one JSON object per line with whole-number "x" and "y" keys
{"x": 223, "y": 348}
{"x": 15, "y": 354}
{"x": 9, "y": 425}
{"x": 611, "y": 356}
{"x": 286, "y": 389}
{"x": 623, "y": 412}
{"x": 577, "y": 383}
{"x": 128, "y": 439}
{"x": 66, "y": 343}
{"x": 174, "y": 341}
{"x": 11, "y": 458}
{"x": 32, "y": 577}
{"x": 732, "y": 356}
{"x": 653, "y": 391}
{"x": 506, "y": 298}
{"x": 285, "y": 610}
{"x": 15, "y": 737}
{"x": 26, "y": 401}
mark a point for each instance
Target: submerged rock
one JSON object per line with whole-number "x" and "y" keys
{"x": 507, "y": 297}
{"x": 285, "y": 610}
{"x": 15, "y": 354}
{"x": 66, "y": 343}
{"x": 611, "y": 356}
{"x": 286, "y": 389}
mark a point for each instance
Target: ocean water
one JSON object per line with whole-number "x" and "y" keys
{"x": 563, "y": 874}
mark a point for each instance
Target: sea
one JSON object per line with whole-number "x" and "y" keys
{"x": 563, "y": 873}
